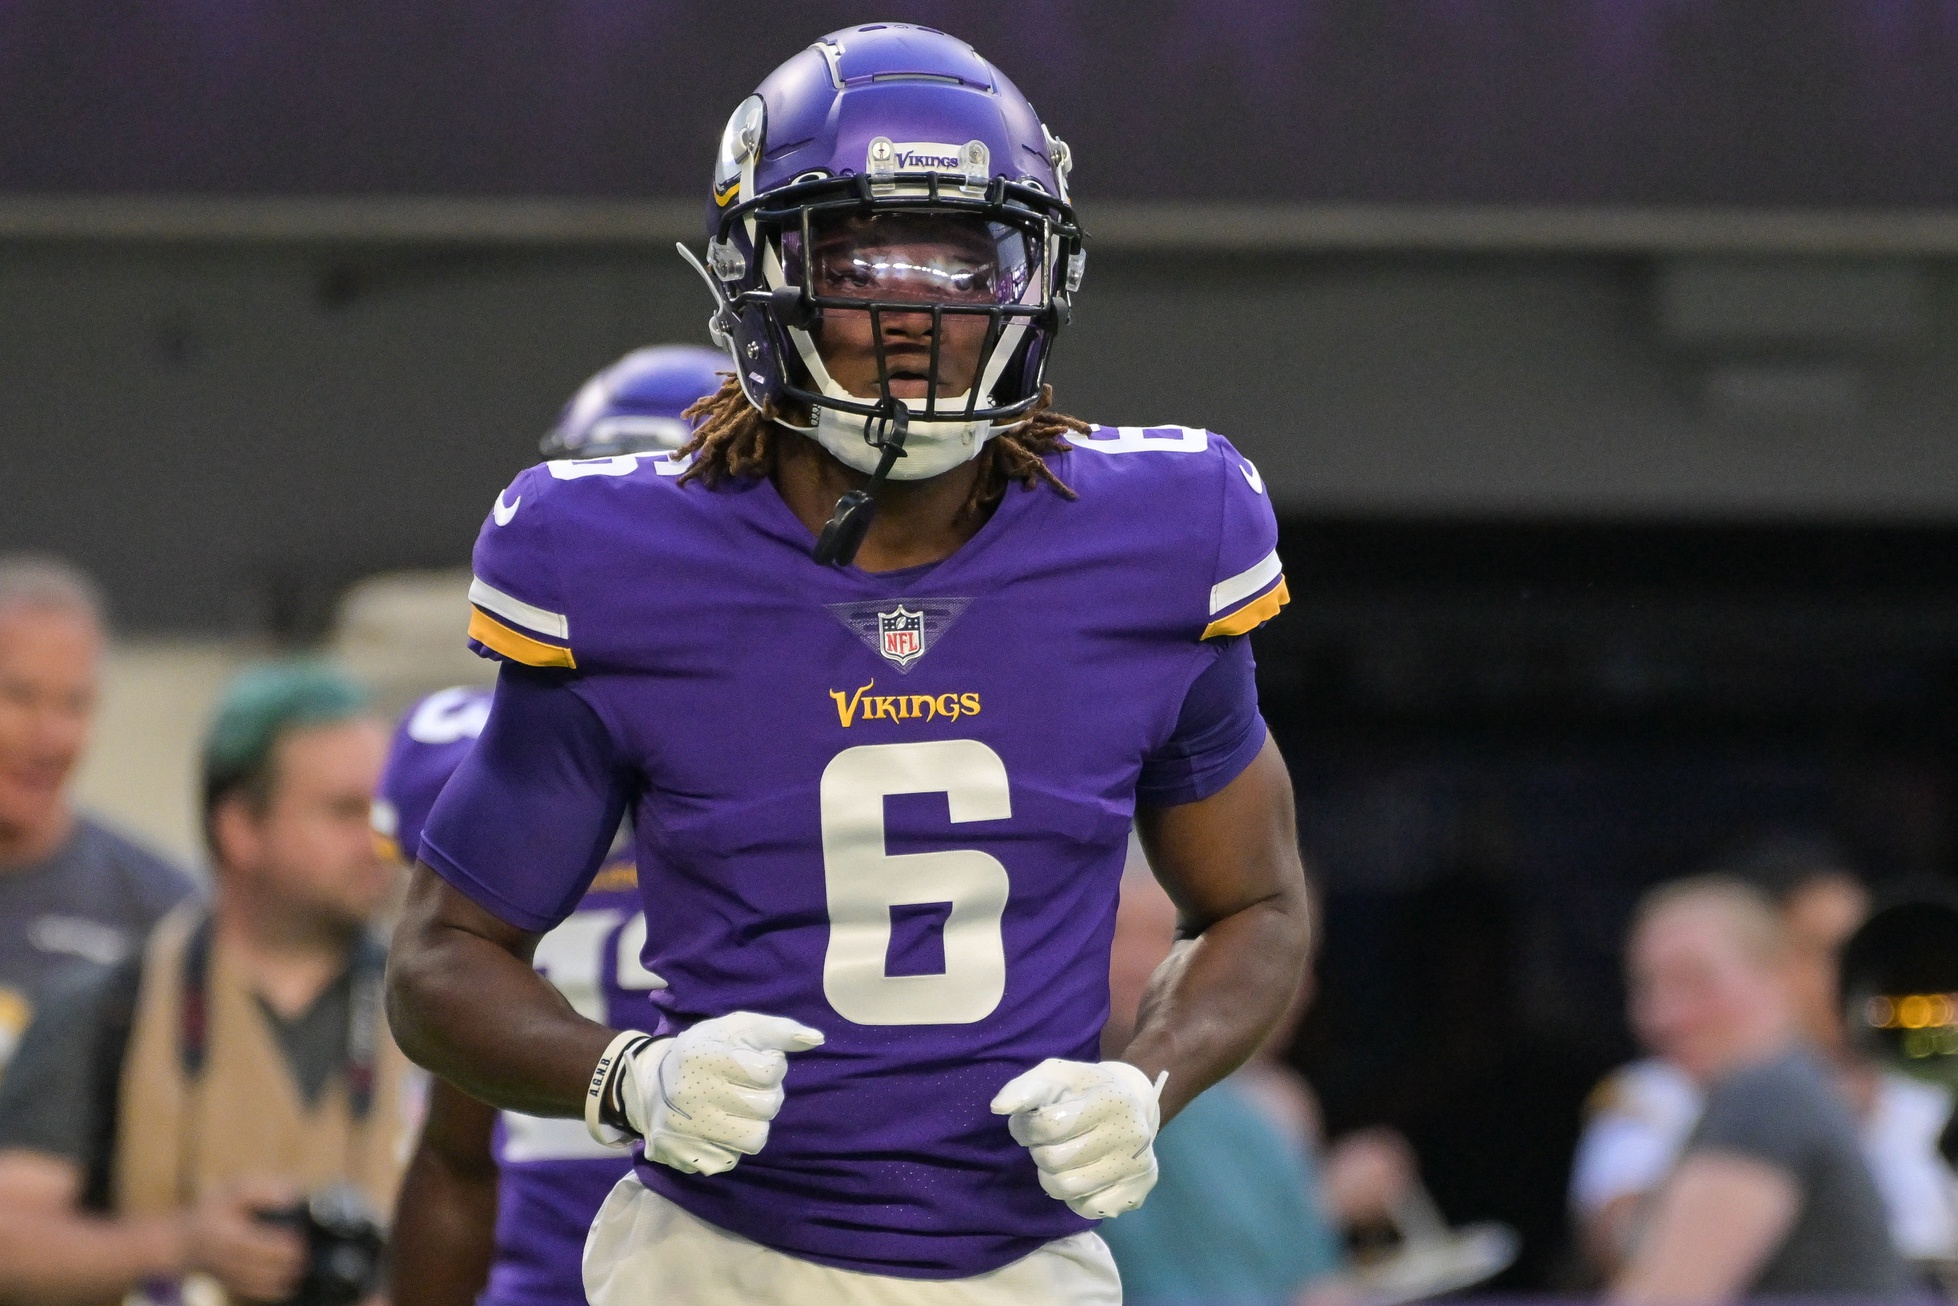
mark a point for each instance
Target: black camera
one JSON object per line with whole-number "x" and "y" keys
{"x": 346, "y": 1246}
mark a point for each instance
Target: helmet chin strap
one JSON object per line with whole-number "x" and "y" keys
{"x": 843, "y": 533}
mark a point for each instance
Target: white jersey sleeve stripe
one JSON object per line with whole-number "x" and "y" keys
{"x": 1245, "y": 583}
{"x": 510, "y": 608}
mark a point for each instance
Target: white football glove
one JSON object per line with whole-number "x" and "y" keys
{"x": 703, "y": 1099}
{"x": 1091, "y": 1127}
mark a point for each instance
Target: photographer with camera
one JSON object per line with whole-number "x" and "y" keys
{"x": 227, "y": 1105}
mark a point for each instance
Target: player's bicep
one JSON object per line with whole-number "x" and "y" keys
{"x": 528, "y": 817}
{"x": 1231, "y": 850}
{"x": 433, "y": 911}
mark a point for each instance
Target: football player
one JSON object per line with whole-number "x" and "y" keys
{"x": 495, "y": 1205}
{"x": 883, "y": 664}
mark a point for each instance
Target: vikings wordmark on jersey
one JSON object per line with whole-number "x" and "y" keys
{"x": 860, "y": 704}
{"x": 894, "y": 807}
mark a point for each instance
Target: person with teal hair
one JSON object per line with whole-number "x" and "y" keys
{"x": 262, "y": 706}
{"x": 160, "y": 1108}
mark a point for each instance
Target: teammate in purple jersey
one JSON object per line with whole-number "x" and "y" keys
{"x": 883, "y": 666}
{"x": 495, "y": 1205}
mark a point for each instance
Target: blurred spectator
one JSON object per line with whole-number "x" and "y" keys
{"x": 1772, "y": 1194}
{"x": 1370, "y": 1174}
{"x": 1235, "y": 1217}
{"x": 241, "y": 1060}
{"x": 1635, "y": 1123}
{"x": 1640, "y": 1116}
{"x": 69, "y": 887}
{"x": 1900, "y": 1118}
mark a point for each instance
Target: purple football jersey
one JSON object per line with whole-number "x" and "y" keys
{"x": 551, "y": 1177}
{"x": 892, "y": 806}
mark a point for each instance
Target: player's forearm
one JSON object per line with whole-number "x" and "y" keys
{"x": 444, "y": 1235}
{"x": 464, "y": 1004}
{"x": 472, "y": 1014}
{"x": 1231, "y": 862}
{"x": 1217, "y": 997}
{"x": 59, "y": 1258}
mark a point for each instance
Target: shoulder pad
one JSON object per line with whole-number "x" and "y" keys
{"x": 517, "y": 607}
{"x": 623, "y": 464}
{"x": 525, "y": 602}
{"x": 1248, "y": 587}
{"x": 1144, "y": 439}
{"x": 1246, "y": 581}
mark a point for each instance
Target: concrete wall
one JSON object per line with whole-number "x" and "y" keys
{"x": 224, "y": 437}
{"x": 1510, "y": 386}
{"x": 230, "y": 436}
{"x": 140, "y": 771}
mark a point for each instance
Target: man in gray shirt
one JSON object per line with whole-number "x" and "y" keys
{"x": 71, "y": 890}
{"x": 1772, "y": 1195}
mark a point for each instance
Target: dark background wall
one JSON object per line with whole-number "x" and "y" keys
{"x": 229, "y": 434}
{"x": 1782, "y": 102}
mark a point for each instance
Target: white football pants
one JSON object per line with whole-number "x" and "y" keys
{"x": 644, "y": 1250}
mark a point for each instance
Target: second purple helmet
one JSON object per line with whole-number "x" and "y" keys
{"x": 634, "y": 405}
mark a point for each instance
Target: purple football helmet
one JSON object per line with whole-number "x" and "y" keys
{"x": 634, "y": 405}
{"x": 903, "y": 125}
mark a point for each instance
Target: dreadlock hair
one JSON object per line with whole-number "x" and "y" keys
{"x": 734, "y": 439}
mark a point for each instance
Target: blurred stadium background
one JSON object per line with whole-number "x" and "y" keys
{"x": 1601, "y": 357}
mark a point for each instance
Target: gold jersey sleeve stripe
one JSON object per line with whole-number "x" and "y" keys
{"x": 491, "y": 633}
{"x": 615, "y": 877}
{"x": 1251, "y": 615}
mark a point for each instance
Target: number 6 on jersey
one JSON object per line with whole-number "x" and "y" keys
{"x": 865, "y": 881}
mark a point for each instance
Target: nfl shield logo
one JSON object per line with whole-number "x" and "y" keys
{"x": 904, "y": 632}
{"x": 901, "y": 635}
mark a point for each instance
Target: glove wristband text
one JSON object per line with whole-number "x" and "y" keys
{"x": 604, "y": 1115}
